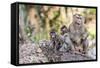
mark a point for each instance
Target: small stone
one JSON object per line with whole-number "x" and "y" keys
{"x": 39, "y": 50}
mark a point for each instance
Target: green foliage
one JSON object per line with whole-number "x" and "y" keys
{"x": 56, "y": 22}
{"x": 92, "y": 11}
{"x": 92, "y": 34}
{"x": 28, "y": 31}
{"x": 39, "y": 36}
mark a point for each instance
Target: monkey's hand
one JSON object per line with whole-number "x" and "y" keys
{"x": 84, "y": 36}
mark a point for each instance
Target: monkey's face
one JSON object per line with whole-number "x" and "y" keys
{"x": 53, "y": 35}
{"x": 78, "y": 19}
{"x": 64, "y": 30}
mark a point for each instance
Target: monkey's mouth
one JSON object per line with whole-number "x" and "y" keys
{"x": 77, "y": 23}
{"x": 53, "y": 36}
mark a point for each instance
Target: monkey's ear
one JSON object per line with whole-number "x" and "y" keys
{"x": 83, "y": 20}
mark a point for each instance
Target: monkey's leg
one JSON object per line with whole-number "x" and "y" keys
{"x": 85, "y": 44}
{"x": 55, "y": 49}
{"x": 72, "y": 47}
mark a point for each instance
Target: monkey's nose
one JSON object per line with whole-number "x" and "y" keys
{"x": 53, "y": 36}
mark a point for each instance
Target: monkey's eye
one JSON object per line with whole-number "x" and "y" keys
{"x": 53, "y": 32}
{"x": 78, "y": 17}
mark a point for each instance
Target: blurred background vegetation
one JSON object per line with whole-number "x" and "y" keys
{"x": 36, "y": 21}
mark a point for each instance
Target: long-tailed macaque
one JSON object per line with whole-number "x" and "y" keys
{"x": 78, "y": 32}
{"x": 68, "y": 45}
{"x": 55, "y": 40}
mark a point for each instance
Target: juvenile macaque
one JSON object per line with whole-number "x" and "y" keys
{"x": 67, "y": 45}
{"x": 78, "y": 32}
{"x": 55, "y": 40}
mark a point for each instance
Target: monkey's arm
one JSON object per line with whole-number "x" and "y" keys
{"x": 71, "y": 31}
{"x": 85, "y": 34}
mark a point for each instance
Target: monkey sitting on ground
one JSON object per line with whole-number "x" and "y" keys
{"x": 78, "y": 32}
{"x": 56, "y": 43}
{"x": 55, "y": 40}
{"x": 67, "y": 45}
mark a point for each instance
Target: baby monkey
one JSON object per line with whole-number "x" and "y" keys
{"x": 55, "y": 40}
{"x": 66, "y": 38}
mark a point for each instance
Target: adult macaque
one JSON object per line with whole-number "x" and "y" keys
{"x": 78, "y": 32}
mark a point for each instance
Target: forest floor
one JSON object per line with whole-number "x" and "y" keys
{"x": 32, "y": 53}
